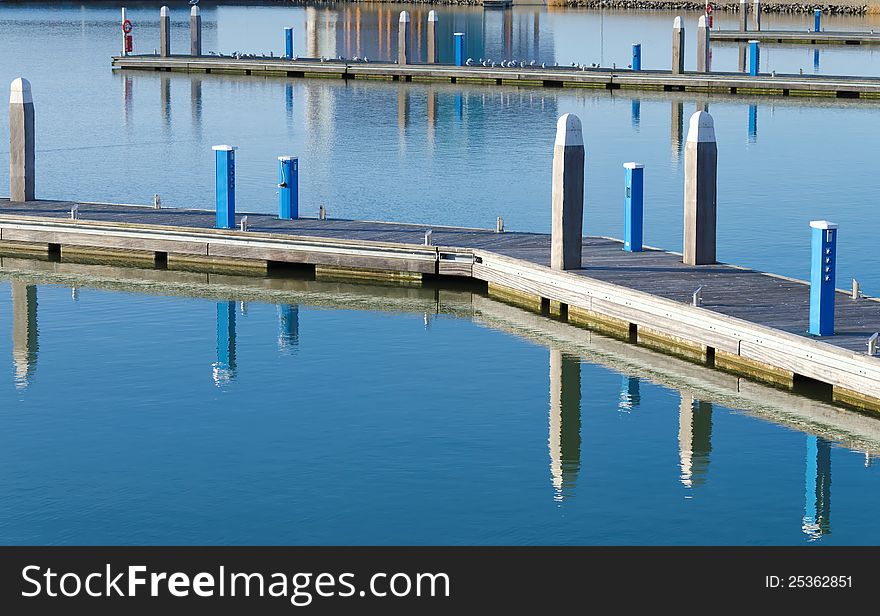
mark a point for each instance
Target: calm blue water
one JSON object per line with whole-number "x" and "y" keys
{"x": 131, "y": 418}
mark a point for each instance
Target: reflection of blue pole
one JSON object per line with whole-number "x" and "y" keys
{"x": 816, "y": 60}
{"x": 225, "y": 341}
{"x": 630, "y": 395}
{"x": 637, "y": 57}
{"x": 636, "y": 112}
{"x": 817, "y": 498}
{"x": 288, "y": 325}
{"x": 817, "y": 20}
{"x": 459, "y": 106}
{"x": 225, "y": 182}
{"x": 822, "y": 277}
{"x": 288, "y": 43}
{"x": 459, "y": 48}
{"x": 754, "y": 58}
{"x": 753, "y": 123}
{"x": 633, "y": 221}
{"x": 288, "y": 187}
{"x": 288, "y": 99}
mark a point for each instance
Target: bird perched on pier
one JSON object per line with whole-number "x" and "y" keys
{"x": 543, "y": 65}
{"x": 193, "y": 2}
{"x": 532, "y": 63}
{"x": 485, "y": 63}
{"x": 469, "y": 62}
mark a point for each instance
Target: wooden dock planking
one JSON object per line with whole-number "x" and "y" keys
{"x": 804, "y": 37}
{"x": 745, "y": 313}
{"x": 603, "y": 78}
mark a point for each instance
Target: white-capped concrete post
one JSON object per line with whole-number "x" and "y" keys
{"x": 743, "y": 15}
{"x": 195, "y": 32}
{"x": 677, "y": 46}
{"x": 702, "y": 45}
{"x": 403, "y": 38}
{"x": 164, "y": 32}
{"x": 568, "y": 194}
{"x": 756, "y": 16}
{"x": 433, "y": 56}
{"x": 700, "y": 173}
{"x": 21, "y": 141}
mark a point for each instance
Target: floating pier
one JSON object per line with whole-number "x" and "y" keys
{"x": 747, "y": 322}
{"x": 558, "y": 77}
{"x": 803, "y": 37}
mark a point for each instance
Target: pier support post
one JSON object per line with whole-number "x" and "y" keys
{"x": 677, "y": 46}
{"x": 700, "y": 173}
{"x": 633, "y": 206}
{"x": 817, "y": 20}
{"x": 823, "y": 271}
{"x": 637, "y": 56}
{"x": 403, "y": 38}
{"x": 754, "y": 58}
{"x": 21, "y": 141}
{"x": 743, "y": 15}
{"x": 164, "y": 32}
{"x": 567, "y": 194}
{"x": 702, "y": 45}
{"x": 225, "y": 185}
{"x": 195, "y": 32}
{"x": 433, "y": 55}
{"x": 288, "y": 43}
{"x": 459, "y": 48}
{"x": 756, "y": 16}
{"x": 288, "y": 187}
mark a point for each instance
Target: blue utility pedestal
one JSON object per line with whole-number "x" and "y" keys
{"x": 754, "y": 58}
{"x": 817, "y": 20}
{"x": 823, "y": 277}
{"x": 637, "y": 57}
{"x": 288, "y": 187}
{"x": 288, "y": 43}
{"x": 225, "y": 180}
{"x": 459, "y": 48}
{"x": 633, "y": 206}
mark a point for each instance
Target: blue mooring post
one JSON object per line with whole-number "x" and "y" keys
{"x": 637, "y": 57}
{"x": 459, "y": 48}
{"x": 288, "y": 43}
{"x": 817, "y": 20}
{"x": 754, "y": 58}
{"x": 225, "y": 181}
{"x": 822, "y": 277}
{"x": 633, "y": 206}
{"x": 288, "y": 187}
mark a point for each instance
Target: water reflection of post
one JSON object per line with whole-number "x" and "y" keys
{"x": 288, "y": 102}
{"x": 126, "y": 99}
{"x": 25, "y": 336}
{"x": 195, "y": 100}
{"x": 432, "y": 115}
{"x": 459, "y": 106}
{"x": 224, "y": 368}
{"x": 741, "y": 57}
{"x": 694, "y": 439}
{"x": 288, "y": 327}
{"x": 630, "y": 394}
{"x": 536, "y": 35}
{"x": 817, "y": 509}
{"x": 816, "y": 60}
{"x": 677, "y": 130}
{"x": 636, "y": 113}
{"x": 165, "y": 98}
{"x": 565, "y": 422}
{"x": 312, "y": 33}
{"x": 753, "y": 123}
{"x": 402, "y": 109}
{"x": 507, "y": 32}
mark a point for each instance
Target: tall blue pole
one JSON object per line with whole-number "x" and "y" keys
{"x": 754, "y": 58}
{"x": 633, "y": 206}
{"x": 288, "y": 43}
{"x": 225, "y": 181}
{"x": 288, "y": 187}
{"x": 823, "y": 277}
{"x": 637, "y": 57}
{"x": 459, "y": 48}
{"x": 817, "y": 20}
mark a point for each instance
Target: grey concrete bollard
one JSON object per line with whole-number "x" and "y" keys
{"x": 743, "y": 15}
{"x": 403, "y": 38}
{"x": 677, "y": 46}
{"x": 433, "y": 55}
{"x": 21, "y": 141}
{"x": 700, "y": 173}
{"x": 702, "y": 45}
{"x": 195, "y": 32}
{"x": 567, "y": 194}
{"x": 756, "y": 16}
{"x": 164, "y": 32}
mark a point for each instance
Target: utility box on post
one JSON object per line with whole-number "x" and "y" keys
{"x": 225, "y": 180}
{"x": 823, "y": 277}
{"x": 288, "y": 187}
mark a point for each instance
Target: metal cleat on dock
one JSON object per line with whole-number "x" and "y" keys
{"x": 697, "y": 299}
{"x": 874, "y": 344}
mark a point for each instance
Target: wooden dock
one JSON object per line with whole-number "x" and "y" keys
{"x": 793, "y": 37}
{"x": 750, "y": 323}
{"x": 557, "y": 77}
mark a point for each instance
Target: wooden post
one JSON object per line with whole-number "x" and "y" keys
{"x": 743, "y": 15}
{"x": 21, "y": 141}
{"x": 403, "y": 38}
{"x": 677, "y": 46}
{"x": 568, "y": 194}
{"x": 756, "y": 16}
{"x": 433, "y": 55}
{"x": 195, "y": 32}
{"x": 702, "y": 45}
{"x": 700, "y": 172}
{"x": 164, "y": 32}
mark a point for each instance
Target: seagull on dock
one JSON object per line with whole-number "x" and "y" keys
{"x": 193, "y": 2}
{"x": 469, "y": 62}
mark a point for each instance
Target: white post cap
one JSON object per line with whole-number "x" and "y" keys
{"x": 823, "y": 224}
{"x": 163, "y": 12}
{"x": 432, "y": 16}
{"x": 633, "y": 166}
{"x": 404, "y": 16}
{"x": 753, "y": 41}
{"x": 20, "y": 92}
{"x": 458, "y": 34}
{"x": 676, "y": 23}
{"x": 223, "y": 148}
{"x": 702, "y": 22}
{"x": 194, "y": 11}
{"x": 701, "y": 128}
{"x": 569, "y": 131}
{"x": 287, "y": 158}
